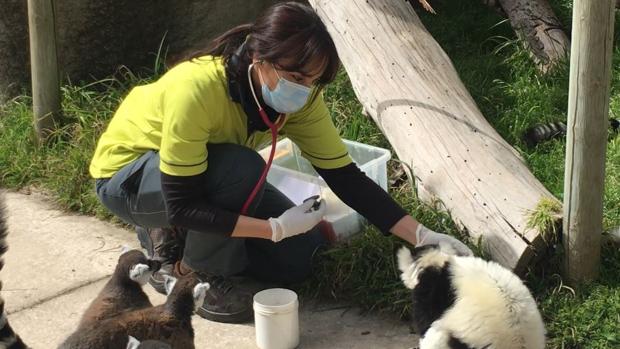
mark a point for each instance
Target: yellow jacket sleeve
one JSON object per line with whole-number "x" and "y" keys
{"x": 314, "y": 132}
{"x": 186, "y": 125}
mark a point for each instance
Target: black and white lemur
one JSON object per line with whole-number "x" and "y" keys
{"x": 8, "y": 338}
{"x": 467, "y": 302}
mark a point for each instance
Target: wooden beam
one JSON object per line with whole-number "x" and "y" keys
{"x": 586, "y": 141}
{"x": 44, "y": 66}
{"x": 409, "y": 87}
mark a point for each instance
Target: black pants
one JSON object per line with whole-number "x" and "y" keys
{"x": 232, "y": 173}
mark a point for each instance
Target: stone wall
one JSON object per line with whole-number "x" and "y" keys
{"x": 94, "y": 38}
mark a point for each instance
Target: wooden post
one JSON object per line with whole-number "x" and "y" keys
{"x": 588, "y": 108}
{"x": 44, "y": 66}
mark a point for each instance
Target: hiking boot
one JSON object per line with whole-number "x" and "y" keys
{"x": 226, "y": 300}
{"x": 164, "y": 245}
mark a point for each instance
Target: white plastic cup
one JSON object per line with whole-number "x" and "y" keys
{"x": 276, "y": 319}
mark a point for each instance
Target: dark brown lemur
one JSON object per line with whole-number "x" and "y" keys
{"x": 123, "y": 291}
{"x": 169, "y": 322}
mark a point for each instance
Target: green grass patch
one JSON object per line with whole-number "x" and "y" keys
{"x": 544, "y": 218}
{"x": 509, "y": 91}
{"x": 60, "y": 166}
{"x": 583, "y": 317}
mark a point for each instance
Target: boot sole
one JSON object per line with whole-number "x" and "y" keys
{"x": 237, "y": 318}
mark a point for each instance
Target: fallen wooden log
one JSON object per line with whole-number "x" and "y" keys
{"x": 409, "y": 87}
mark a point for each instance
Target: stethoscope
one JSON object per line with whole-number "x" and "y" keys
{"x": 274, "y": 138}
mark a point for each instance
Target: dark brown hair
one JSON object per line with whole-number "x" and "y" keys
{"x": 288, "y": 31}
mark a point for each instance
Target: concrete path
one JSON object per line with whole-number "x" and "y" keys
{"x": 58, "y": 262}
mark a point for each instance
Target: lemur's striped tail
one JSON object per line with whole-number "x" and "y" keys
{"x": 8, "y": 338}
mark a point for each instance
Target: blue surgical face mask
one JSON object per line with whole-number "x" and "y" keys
{"x": 288, "y": 97}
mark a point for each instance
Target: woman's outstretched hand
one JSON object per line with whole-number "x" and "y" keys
{"x": 297, "y": 220}
{"x": 425, "y": 236}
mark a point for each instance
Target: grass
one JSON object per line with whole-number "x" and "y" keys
{"x": 545, "y": 218}
{"x": 505, "y": 85}
{"x": 61, "y": 165}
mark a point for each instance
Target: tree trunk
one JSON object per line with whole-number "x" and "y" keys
{"x": 539, "y": 28}
{"x": 410, "y": 88}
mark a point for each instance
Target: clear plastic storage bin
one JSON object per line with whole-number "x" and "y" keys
{"x": 296, "y": 178}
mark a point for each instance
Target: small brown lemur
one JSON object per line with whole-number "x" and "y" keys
{"x": 169, "y": 323}
{"x": 123, "y": 291}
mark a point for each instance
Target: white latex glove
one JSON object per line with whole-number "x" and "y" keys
{"x": 297, "y": 220}
{"x": 425, "y": 236}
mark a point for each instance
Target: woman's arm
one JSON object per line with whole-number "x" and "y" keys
{"x": 366, "y": 197}
{"x": 353, "y": 187}
{"x": 187, "y": 208}
{"x": 406, "y": 228}
{"x": 250, "y": 227}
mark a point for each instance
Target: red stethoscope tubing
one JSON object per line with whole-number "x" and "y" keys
{"x": 274, "y": 139}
